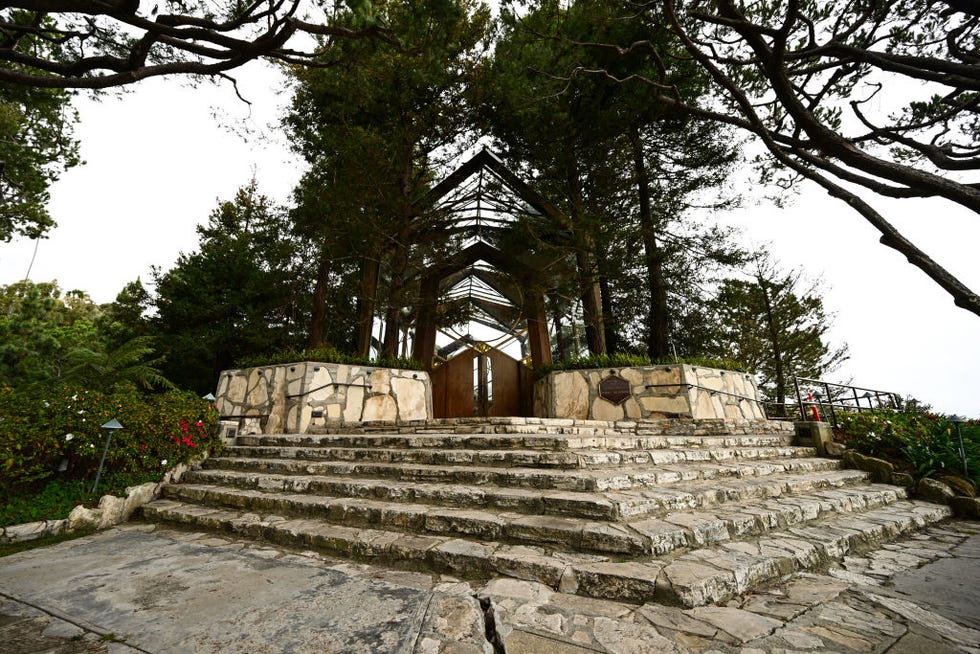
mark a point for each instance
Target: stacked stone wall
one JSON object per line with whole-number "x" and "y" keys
{"x": 656, "y": 392}
{"x": 295, "y": 397}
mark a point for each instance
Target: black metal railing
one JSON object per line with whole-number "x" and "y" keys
{"x": 820, "y": 400}
{"x": 711, "y": 391}
{"x": 335, "y": 386}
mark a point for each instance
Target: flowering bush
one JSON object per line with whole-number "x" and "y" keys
{"x": 56, "y": 431}
{"x": 920, "y": 442}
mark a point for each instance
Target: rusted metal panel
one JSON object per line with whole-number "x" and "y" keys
{"x": 614, "y": 389}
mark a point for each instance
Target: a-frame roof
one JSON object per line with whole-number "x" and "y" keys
{"x": 487, "y": 160}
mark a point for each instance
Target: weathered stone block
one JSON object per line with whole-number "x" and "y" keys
{"x": 966, "y": 507}
{"x": 570, "y": 396}
{"x": 380, "y": 407}
{"x": 903, "y": 479}
{"x": 960, "y": 486}
{"x": 934, "y": 490}
{"x": 631, "y": 582}
{"x": 672, "y": 405}
{"x": 881, "y": 470}
{"x": 814, "y": 434}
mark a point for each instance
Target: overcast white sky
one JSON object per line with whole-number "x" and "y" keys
{"x": 158, "y": 161}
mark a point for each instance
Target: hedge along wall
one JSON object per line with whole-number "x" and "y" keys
{"x": 292, "y": 398}
{"x": 654, "y": 393}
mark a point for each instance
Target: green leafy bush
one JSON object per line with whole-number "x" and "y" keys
{"x": 328, "y": 355}
{"x": 58, "y": 497}
{"x": 920, "y": 442}
{"x": 60, "y": 426}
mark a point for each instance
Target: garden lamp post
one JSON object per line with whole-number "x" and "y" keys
{"x": 112, "y": 426}
{"x": 959, "y": 420}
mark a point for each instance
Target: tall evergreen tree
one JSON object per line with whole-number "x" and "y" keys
{"x": 624, "y": 169}
{"x": 777, "y": 326}
{"x": 241, "y": 293}
{"x": 36, "y": 146}
{"x": 370, "y": 125}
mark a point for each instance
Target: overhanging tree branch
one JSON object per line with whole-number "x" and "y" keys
{"x": 97, "y": 44}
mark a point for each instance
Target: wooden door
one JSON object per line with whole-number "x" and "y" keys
{"x": 481, "y": 383}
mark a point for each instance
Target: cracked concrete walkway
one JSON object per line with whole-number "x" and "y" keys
{"x": 141, "y": 588}
{"x": 146, "y": 589}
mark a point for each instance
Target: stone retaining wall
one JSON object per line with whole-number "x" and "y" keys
{"x": 294, "y": 397}
{"x": 111, "y": 511}
{"x": 656, "y": 392}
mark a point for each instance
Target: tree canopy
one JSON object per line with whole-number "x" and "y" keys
{"x": 98, "y": 44}
{"x": 878, "y": 95}
{"x": 624, "y": 170}
{"x": 871, "y": 98}
{"x": 36, "y": 146}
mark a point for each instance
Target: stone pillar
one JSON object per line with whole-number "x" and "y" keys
{"x": 814, "y": 434}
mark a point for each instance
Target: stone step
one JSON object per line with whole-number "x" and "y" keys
{"x": 521, "y": 477}
{"x": 563, "y": 459}
{"x": 575, "y": 427}
{"x": 595, "y": 505}
{"x": 715, "y": 574}
{"x": 694, "y": 578}
{"x": 568, "y": 534}
{"x": 520, "y": 500}
{"x": 640, "y": 537}
{"x": 618, "y": 441}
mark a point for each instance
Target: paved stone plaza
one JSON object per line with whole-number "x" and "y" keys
{"x": 148, "y": 588}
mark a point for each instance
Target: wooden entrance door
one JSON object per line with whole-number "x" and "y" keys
{"x": 481, "y": 382}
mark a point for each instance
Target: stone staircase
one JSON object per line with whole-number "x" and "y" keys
{"x": 676, "y": 512}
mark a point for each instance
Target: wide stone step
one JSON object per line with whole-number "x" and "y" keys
{"x": 519, "y": 477}
{"x": 567, "y": 427}
{"x": 694, "y": 578}
{"x": 568, "y": 534}
{"x": 617, "y": 441}
{"x": 563, "y": 459}
{"x": 595, "y": 505}
{"x": 717, "y": 573}
{"x": 730, "y": 522}
{"x": 692, "y": 528}
{"x": 520, "y": 500}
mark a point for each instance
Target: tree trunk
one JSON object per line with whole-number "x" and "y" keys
{"x": 584, "y": 257}
{"x": 608, "y": 314}
{"x": 319, "y": 309}
{"x": 777, "y": 351}
{"x": 560, "y": 341}
{"x": 653, "y": 257}
{"x": 399, "y": 263}
{"x": 366, "y": 300}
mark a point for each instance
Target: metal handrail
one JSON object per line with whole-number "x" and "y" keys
{"x": 712, "y": 391}
{"x": 840, "y": 396}
{"x": 320, "y": 388}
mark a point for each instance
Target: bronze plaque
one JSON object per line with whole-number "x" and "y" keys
{"x": 614, "y": 389}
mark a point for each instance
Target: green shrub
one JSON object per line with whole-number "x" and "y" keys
{"x": 921, "y": 442}
{"x": 327, "y": 355}
{"x": 62, "y": 424}
{"x": 58, "y": 497}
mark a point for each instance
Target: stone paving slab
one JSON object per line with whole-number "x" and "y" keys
{"x": 160, "y": 594}
{"x": 808, "y": 612}
{"x": 143, "y": 588}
